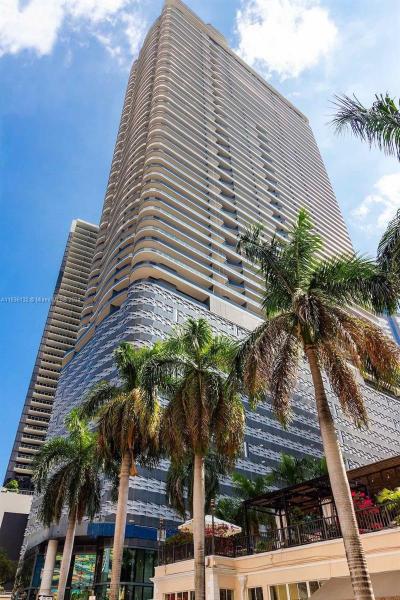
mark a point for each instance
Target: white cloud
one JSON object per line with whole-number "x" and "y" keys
{"x": 134, "y": 31}
{"x": 376, "y": 210}
{"x": 35, "y": 25}
{"x": 284, "y": 36}
{"x": 95, "y": 10}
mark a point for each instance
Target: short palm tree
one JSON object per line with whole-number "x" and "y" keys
{"x": 232, "y": 509}
{"x": 202, "y": 412}
{"x": 305, "y": 303}
{"x": 292, "y": 470}
{"x": 67, "y": 473}
{"x": 127, "y": 425}
{"x": 179, "y": 484}
{"x": 378, "y": 125}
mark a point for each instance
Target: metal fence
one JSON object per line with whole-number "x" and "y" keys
{"x": 308, "y": 531}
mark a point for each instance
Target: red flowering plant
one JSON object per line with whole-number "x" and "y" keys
{"x": 220, "y": 530}
{"x": 368, "y": 514}
{"x": 224, "y": 540}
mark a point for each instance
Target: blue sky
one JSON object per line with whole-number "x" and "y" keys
{"x": 63, "y": 69}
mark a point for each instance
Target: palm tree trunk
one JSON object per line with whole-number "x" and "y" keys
{"x": 48, "y": 568}
{"x": 120, "y": 523}
{"x": 66, "y": 556}
{"x": 198, "y": 527}
{"x": 356, "y": 560}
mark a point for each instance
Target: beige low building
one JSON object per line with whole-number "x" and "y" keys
{"x": 287, "y": 574}
{"x": 300, "y": 553}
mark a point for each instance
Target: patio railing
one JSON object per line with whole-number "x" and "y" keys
{"x": 305, "y": 532}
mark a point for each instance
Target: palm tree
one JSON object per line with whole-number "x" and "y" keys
{"x": 292, "y": 470}
{"x": 232, "y": 509}
{"x": 389, "y": 246}
{"x": 305, "y": 304}
{"x": 127, "y": 425}
{"x": 66, "y": 471}
{"x": 202, "y": 412}
{"x": 179, "y": 484}
{"x": 378, "y": 125}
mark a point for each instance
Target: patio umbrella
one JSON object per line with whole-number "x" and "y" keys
{"x": 221, "y": 528}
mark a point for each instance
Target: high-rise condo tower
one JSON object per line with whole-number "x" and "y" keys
{"x": 205, "y": 147}
{"x": 59, "y": 335}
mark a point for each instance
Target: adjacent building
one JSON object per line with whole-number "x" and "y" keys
{"x": 205, "y": 147}
{"x": 59, "y": 335}
{"x": 299, "y": 553}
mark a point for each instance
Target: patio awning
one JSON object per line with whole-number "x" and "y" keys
{"x": 309, "y": 495}
{"x": 222, "y": 528}
{"x": 386, "y": 585}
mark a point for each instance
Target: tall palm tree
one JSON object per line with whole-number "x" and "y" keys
{"x": 202, "y": 412}
{"x": 66, "y": 471}
{"x": 127, "y": 425}
{"x": 179, "y": 484}
{"x": 378, "y": 125}
{"x": 305, "y": 304}
{"x": 292, "y": 470}
{"x": 389, "y": 246}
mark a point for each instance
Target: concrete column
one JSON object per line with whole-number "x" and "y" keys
{"x": 212, "y": 584}
{"x": 48, "y": 568}
{"x": 243, "y": 584}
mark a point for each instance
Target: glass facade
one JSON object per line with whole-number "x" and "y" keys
{"x": 90, "y": 573}
{"x": 137, "y": 568}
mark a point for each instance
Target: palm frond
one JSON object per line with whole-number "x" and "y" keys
{"x": 67, "y": 473}
{"x": 284, "y": 377}
{"x": 178, "y": 479}
{"x": 253, "y": 363}
{"x": 299, "y": 255}
{"x": 174, "y": 427}
{"x": 97, "y": 396}
{"x": 294, "y": 469}
{"x": 268, "y": 256}
{"x": 344, "y": 384}
{"x": 378, "y": 125}
{"x": 379, "y": 354}
{"x": 53, "y": 498}
{"x": 250, "y": 488}
{"x": 220, "y": 353}
{"x": 228, "y": 425}
{"x": 57, "y": 450}
{"x": 389, "y": 246}
{"x": 161, "y": 373}
{"x": 356, "y": 280}
{"x": 130, "y": 360}
{"x": 191, "y": 371}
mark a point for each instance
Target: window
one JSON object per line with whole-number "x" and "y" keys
{"x": 314, "y": 586}
{"x": 225, "y": 594}
{"x": 189, "y": 595}
{"x": 256, "y": 593}
{"x": 300, "y": 590}
{"x": 279, "y": 592}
